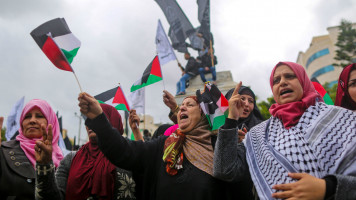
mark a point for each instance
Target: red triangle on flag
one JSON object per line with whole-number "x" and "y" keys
{"x": 156, "y": 67}
{"x": 55, "y": 55}
{"x": 119, "y": 98}
{"x": 224, "y": 101}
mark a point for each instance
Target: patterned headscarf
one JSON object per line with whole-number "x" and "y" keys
{"x": 27, "y": 144}
{"x": 343, "y": 98}
{"x": 290, "y": 113}
{"x": 195, "y": 144}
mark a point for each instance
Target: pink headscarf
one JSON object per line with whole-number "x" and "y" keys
{"x": 290, "y": 113}
{"x": 27, "y": 144}
{"x": 343, "y": 97}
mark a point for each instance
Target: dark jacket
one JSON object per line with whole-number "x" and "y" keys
{"x": 206, "y": 61}
{"x": 191, "y": 67}
{"x": 17, "y": 175}
{"x": 146, "y": 158}
{"x": 53, "y": 185}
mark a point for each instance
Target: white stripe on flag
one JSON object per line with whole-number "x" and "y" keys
{"x": 110, "y": 102}
{"x": 67, "y": 42}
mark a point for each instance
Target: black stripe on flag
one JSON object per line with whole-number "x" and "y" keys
{"x": 105, "y": 96}
{"x": 146, "y": 73}
{"x": 56, "y": 27}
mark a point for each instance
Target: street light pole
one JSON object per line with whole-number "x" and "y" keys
{"x": 80, "y": 125}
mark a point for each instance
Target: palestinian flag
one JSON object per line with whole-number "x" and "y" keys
{"x": 214, "y": 105}
{"x": 320, "y": 89}
{"x": 114, "y": 97}
{"x": 57, "y": 42}
{"x": 152, "y": 74}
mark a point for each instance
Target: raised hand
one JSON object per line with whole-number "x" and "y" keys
{"x": 169, "y": 100}
{"x": 307, "y": 187}
{"x": 89, "y": 106}
{"x": 235, "y": 103}
{"x": 134, "y": 119}
{"x": 1, "y": 121}
{"x": 43, "y": 148}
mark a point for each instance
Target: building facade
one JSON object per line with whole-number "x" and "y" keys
{"x": 318, "y": 59}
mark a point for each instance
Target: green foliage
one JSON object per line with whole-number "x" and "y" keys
{"x": 3, "y": 131}
{"x": 331, "y": 90}
{"x": 264, "y": 107}
{"x": 346, "y": 43}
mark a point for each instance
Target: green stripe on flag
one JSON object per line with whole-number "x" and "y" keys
{"x": 151, "y": 79}
{"x": 327, "y": 99}
{"x": 218, "y": 122}
{"x": 70, "y": 54}
{"x": 121, "y": 107}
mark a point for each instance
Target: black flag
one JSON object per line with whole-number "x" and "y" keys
{"x": 204, "y": 19}
{"x": 180, "y": 26}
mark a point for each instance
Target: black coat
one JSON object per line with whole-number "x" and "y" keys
{"x": 206, "y": 61}
{"x": 145, "y": 159}
{"x": 17, "y": 175}
{"x": 191, "y": 67}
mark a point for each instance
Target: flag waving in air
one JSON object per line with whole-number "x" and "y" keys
{"x": 320, "y": 89}
{"x": 152, "y": 74}
{"x": 214, "y": 105}
{"x": 164, "y": 48}
{"x": 114, "y": 97}
{"x": 57, "y": 42}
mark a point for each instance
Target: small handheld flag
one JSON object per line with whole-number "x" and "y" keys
{"x": 114, "y": 97}
{"x": 214, "y": 105}
{"x": 58, "y": 43}
{"x": 320, "y": 89}
{"x": 152, "y": 74}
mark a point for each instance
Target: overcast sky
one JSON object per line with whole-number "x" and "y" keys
{"x": 118, "y": 43}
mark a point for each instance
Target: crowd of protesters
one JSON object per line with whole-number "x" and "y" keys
{"x": 305, "y": 150}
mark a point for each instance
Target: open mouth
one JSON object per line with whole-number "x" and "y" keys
{"x": 183, "y": 116}
{"x": 285, "y": 91}
{"x": 246, "y": 111}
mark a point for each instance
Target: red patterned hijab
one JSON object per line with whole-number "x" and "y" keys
{"x": 343, "y": 98}
{"x": 290, "y": 113}
{"x": 91, "y": 173}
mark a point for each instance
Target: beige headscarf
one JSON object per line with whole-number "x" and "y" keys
{"x": 196, "y": 145}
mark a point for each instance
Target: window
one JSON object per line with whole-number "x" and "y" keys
{"x": 332, "y": 83}
{"x": 323, "y": 70}
{"x": 317, "y": 55}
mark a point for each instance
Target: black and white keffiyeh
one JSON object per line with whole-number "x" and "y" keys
{"x": 323, "y": 142}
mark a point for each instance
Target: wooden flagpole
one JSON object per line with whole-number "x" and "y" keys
{"x": 211, "y": 53}
{"x": 76, "y": 78}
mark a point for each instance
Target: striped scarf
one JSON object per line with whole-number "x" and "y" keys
{"x": 322, "y": 142}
